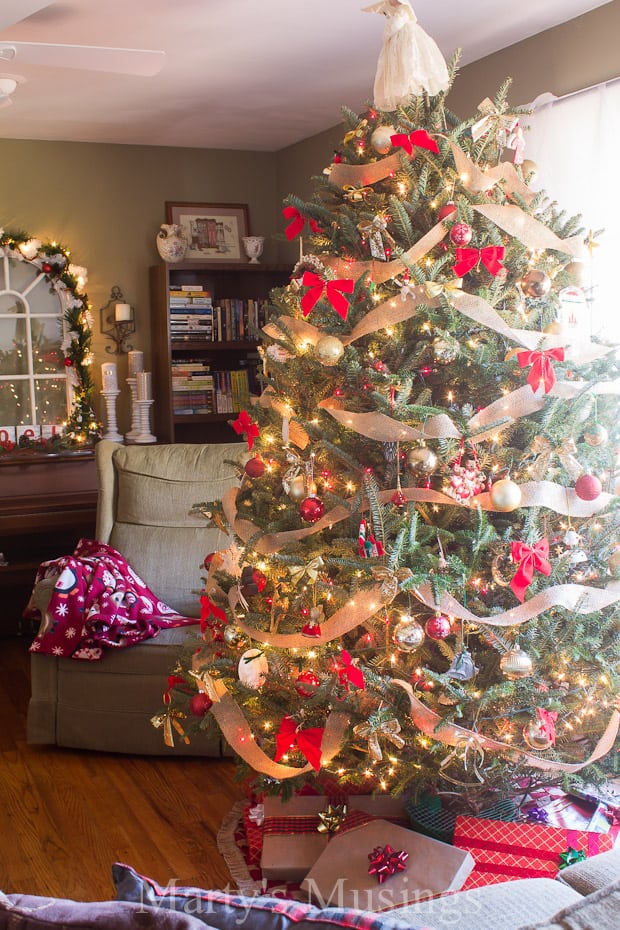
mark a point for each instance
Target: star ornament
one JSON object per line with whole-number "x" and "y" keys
{"x": 591, "y": 243}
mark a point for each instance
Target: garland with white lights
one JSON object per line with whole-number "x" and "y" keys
{"x": 68, "y": 280}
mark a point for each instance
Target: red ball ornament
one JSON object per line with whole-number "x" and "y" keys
{"x": 398, "y": 499}
{"x": 588, "y": 487}
{"x": 208, "y": 560}
{"x": 253, "y": 581}
{"x": 311, "y": 509}
{"x": 461, "y": 234}
{"x": 46, "y": 267}
{"x": 68, "y": 363}
{"x": 255, "y": 467}
{"x": 446, "y": 210}
{"x": 438, "y": 627}
{"x": 200, "y": 704}
{"x": 307, "y": 678}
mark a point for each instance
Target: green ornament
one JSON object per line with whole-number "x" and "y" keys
{"x": 571, "y": 856}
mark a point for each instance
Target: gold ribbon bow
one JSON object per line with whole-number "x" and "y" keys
{"x": 332, "y": 818}
{"x": 355, "y": 194}
{"x": 390, "y": 729}
{"x": 312, "y": 570}
{"x": 169, "y": 721}
{"x": 469, "y": 752}
{"x": 505, "y": 122}
{"x": 436, "y": 288}
{"x": 390, "y": 581}
{"x": 544, "y": 450}
{"x": 356, "y": 133}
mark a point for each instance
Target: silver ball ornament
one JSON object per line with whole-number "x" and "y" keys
{"x": 422, "y": 459}
{"x": 505, "y": 495}
{"x": 535, "y": 283}
{"x": 445, "y": 349}
{"x": 596, "y": 435}
{"x": 516, "y": 664}
{"x": 535, "y": 736}
{"x": 233, "y": 636}
{"x": 329, "y": 350}
{"x": 408, "y": 635}
{"x": 381, "y": 140}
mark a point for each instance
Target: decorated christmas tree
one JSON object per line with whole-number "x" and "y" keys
{"x": 423, "y": 587}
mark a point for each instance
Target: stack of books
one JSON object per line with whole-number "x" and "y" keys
{"x": 191, "y": 313}
{"x": 193, "y": 388}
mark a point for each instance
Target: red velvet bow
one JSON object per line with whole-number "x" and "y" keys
{"x": 173, "y": 681}
{"x": 243, "y": 424}
{"x": 307, "y": 741}
{"x": 297, "y": 223}
{"x": 466, "y": 259}
{"x": 347, "y": 672}
{"x": 541, "y": 371}
{"x": 335, "y": 291}
{"x": 531, "y": 559}
{"x": 420, "y": 139}
{"x": 385, "y": 861}
{"x": 209, "y": 609}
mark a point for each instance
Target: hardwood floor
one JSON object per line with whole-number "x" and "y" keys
{"x": 66, "y": 815}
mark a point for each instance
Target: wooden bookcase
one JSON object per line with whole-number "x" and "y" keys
{"x": 223, "y": 280}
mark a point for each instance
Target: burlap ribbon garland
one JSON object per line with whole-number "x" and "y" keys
{"x": 505, "y": 174}
{"x": 528, "y": 230}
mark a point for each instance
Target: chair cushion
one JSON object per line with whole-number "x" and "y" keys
{"x": 598, "y": 911}
{"x": 593, "y": 873}
{"x": 30, "y": 912}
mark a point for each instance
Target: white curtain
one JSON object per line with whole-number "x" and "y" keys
{"x": 575, "y": 142}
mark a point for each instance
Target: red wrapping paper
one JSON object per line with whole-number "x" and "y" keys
{"x": 508, "y": 851}
{"x": 253, "y": 835}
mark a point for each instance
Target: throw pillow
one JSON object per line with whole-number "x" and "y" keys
{"x": 231, "y": 912}
{"x": 599, "y": 911}
{"x": 29, "y": 912}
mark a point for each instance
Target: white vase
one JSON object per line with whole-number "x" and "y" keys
{"x": 171, "y": 242}
{"x": 253, "y": 246}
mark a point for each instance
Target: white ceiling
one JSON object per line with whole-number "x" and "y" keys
{"x": 239, "y": 74}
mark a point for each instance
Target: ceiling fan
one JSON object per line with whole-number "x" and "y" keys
{"x": 142, "y": 62}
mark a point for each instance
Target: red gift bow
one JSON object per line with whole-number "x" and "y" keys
{"x": 420, "y": 138}
{"x": 297, "y": 223}
{"x": 335, "y": 291}
{"x": 531, "y": 558}
{"x": 542, "y": 369}
{"x": 490, "y": 256}
{"x": 385, "y": 861}
{"x": 243, "y": 424}
{"x": 347, "y": 672}
{"x": 307, "y": 741}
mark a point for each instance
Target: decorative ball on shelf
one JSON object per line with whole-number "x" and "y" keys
{"x": 329, "y": 350}
{"x": 304, "y": 680}
{"x": 422, "y": 459}
{"x": 613, "y": 563}
{"x": 505, "y": 495}
{"x": 461, "y": 234}
{"x": 381, "y": 139}
{"x": 516, "y": 664}
{"x": 297, "y": 488}
{"x": 536, "y": 736}
{"x": 408, "y": 634}
{"x": 438, "y": 627}
{"x": 253, "y": 581}
{"x": 596, "y": 435}
{"x": 445, "y": 348}
{"x": 588, "y": 487}
{"x": 398, "y": 499}
{"x": 447, "y": 210}
{"x": 233, "y": 636}
{"x": 253, "y": 668}
{"x": 535, "y": 283}
{"x": 311, "y": 509}
{"x": 255, "y": 467}
{"x": 200, "y": 704}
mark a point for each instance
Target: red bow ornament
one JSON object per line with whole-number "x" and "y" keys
{"x": 541, "y": 371}
{"x": 530, "y": 559}
{"x": 420, "y": 139}
{"x": 297, "y": 223}
{"x": 307, "y": 741}
{"x": 347, "y": 672}
{"x": 385, "y": 861}
{"x": 243, "y": 424}
{"x": 490, "y": 256}
{"x": 334, "y": 291}
{"x": 209, "y": 609}
{"x": 173, "y": 681}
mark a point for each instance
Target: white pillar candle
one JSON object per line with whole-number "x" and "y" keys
{"x": 143, "y": 385}
{"x": 122, "y": 313}
{"x": 109, "y": 376}
{"x": 135, "y": 362}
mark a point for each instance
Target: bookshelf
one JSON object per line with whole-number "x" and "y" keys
{"x": 204, "y": 323}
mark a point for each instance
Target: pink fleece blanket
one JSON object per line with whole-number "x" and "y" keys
{"x": 98, "y": 601}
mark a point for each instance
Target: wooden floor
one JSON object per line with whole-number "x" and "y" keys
{"x": 66, "y": 815}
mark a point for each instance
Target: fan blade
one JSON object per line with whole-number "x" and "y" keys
{"x": 139, "y": 61}
{"x": 13, "y": 11}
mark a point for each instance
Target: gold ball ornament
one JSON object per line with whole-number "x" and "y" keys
{"x": 233, "y": 636}
{"x": 329, "y": 350}
{"x": 381, "y": 139}
{"x": 505, "y": 495}
{"x": 408, "y": 635}
{"x": 535, "y": 736}
{"x": 535, "y": 283}
{"x": 530, "y": 170}
{"x": 613, "y": 564}
{"x": 422, "y": 459}
{"x": 516, "y": 664}
{"x": 596, "y": 435}
{"x": 552, "y": 329}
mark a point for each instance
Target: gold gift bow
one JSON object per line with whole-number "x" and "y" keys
{"x": 544, "y": 450}
{"x": 332, "y": 818}
{"x": 390, "y": 729}
{"x": 311, "y": 569}
{"x": 168, "y": 721}
{"x": 490, "y": 115}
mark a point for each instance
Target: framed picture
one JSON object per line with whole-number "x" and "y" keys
{"x": 213, "y": 230}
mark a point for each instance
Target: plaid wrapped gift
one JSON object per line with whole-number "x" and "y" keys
{"x": 507, "y": 851}
{"x": 253, "y": 833}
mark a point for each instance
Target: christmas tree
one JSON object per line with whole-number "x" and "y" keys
{"x": 423, "y": 589}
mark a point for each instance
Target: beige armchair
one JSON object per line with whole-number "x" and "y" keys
{"x": 145, "y": 497}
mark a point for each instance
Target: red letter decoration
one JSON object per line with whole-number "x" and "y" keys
{"x": 531, "y": 559}
{"x": 541, "y": 371}
{"x": 334, "y": 291}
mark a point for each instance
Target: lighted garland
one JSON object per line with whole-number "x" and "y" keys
{"x": 68, "y": 281}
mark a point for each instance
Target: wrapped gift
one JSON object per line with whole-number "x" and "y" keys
{"x": 431, "y": 817}
{"x": 571, "y": 810}
{"x": 507, "y": 851}
{"x": 292, "y": 840}
{"x": 381, "y": 865}
{"x": 253, "y": 818}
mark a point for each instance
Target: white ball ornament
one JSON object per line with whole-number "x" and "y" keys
{"x": 329, "y": 350}
{"x": 253, "y": 669}
{"x": 505, "y": 495}
{"x": 381, "y": 140}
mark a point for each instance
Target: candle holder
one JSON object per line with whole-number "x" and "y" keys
{"x": 144, "y": 419}
{"x": 134, "y": 432}
{"x": 116, "y": 320}
{"x": 111, "y": 432}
